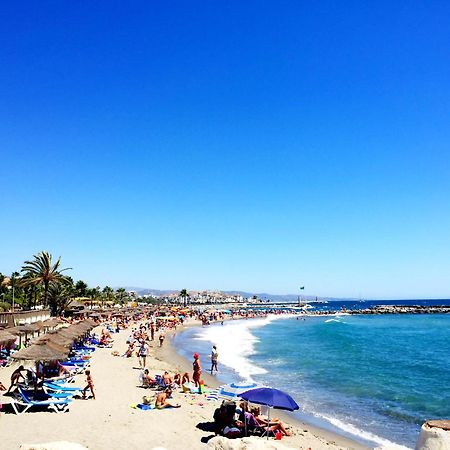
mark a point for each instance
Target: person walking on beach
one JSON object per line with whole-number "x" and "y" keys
{"x": 161, "y": 339}
{"x": 90, "y": 384}
{"x": 197, "y": 370}
{"x": 142, "y": 353}
{"x": 214, "y": 358}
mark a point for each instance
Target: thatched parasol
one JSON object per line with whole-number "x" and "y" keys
{"x": 6, "y": 337}
{"x": 50, "y": 323}
{"x": 71, "y": 333}
{"x": 94, "y": 314}
{"x": 57, "y": 338}
{"x": 42, "y": 351}
{"x": 22, "y": 329}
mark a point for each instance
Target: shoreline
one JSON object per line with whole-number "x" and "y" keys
{"x": 169, "y": 353}
{"x": 111, "y": 421}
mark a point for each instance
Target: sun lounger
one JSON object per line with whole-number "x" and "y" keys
{"x": 57, "y": 387}
{"x": 58, "y": 405}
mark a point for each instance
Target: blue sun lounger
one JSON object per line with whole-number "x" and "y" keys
{"x": 56, "y": 387}
{"x": 58, "y": 405}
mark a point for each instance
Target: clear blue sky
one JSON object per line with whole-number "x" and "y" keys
{"x": 229, "y": 145}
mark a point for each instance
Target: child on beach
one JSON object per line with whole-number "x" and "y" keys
{"x": 90, "y": 384}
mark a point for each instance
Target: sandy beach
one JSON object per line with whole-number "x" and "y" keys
{"x": 110, "y": 421}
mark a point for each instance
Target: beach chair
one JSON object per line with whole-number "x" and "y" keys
{"x": 160, "y": 381}
{"x": 58, "y": 387}
{"x": 57, "y": 405}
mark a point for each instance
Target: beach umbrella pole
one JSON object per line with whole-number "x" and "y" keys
{"x": 268, "y": 422}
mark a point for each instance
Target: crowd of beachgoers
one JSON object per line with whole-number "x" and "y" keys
{"x": 59, "y": 365}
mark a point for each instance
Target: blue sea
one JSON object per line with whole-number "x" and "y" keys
{"x": 374, "y": 378}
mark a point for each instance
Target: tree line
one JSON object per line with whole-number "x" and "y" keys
{"x": 42, "y": 281}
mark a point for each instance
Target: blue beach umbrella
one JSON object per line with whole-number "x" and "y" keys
{"x": 273, "y": 398}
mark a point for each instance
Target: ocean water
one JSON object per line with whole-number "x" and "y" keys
{"x": 372, "y": 378}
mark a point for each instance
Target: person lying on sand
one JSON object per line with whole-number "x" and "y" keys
{"x": 161, "y": 400}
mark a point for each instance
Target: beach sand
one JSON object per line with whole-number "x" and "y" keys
{"x": 109, "y": 422}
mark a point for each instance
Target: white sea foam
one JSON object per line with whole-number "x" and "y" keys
{"x": 384, "y": 444}
{"x": 236, "y": 343}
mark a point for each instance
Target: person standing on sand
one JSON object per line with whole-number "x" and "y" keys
{"x": 90, "y": 384}
{"x": 142, "y": 353}
{"x": 214, "y": 358}
{"x": 161, "y": 339}
{"x": 197, "y": 370}
{"x": 152, "y": 331}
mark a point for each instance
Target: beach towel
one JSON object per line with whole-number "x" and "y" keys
{"x": 213, "y": 395}
{"x": 145, "y": 407}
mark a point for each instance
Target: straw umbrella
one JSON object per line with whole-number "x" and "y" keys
{"x": 42, "y": 351}
{"x": 57, "y": 338}
{"x": 6, "y": 337}
{"x": 50, "y": 323}
{"x": 22, "y": 330}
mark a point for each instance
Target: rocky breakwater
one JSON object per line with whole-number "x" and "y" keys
{"x": 404, "y": 309}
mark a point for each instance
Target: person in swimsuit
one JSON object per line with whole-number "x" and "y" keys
{"x": 214, "y": 358}
{"x": 185, "y": 378}
{"x": 197, "y": 370}
{"x": 142, "y": 353}
{"x": 161, "y": 400}
{"x": 15, "y": 377}
{"x": 90, "y": 384}
{"x": 274, "y": 424}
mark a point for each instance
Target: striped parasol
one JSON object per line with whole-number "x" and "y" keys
{"x": 232, "y": 391}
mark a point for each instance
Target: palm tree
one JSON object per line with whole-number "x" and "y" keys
{"x": 43, "y": 272}
{"x": 121, "y": 293}
{"x": 81, "y": 288}
{"x": 94, "y": 293}
{"x": 107, "y": 294}
{"x": 13, "y": 283}
{"x": 59, "y": 298}
{"x": 184, "y": 295}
